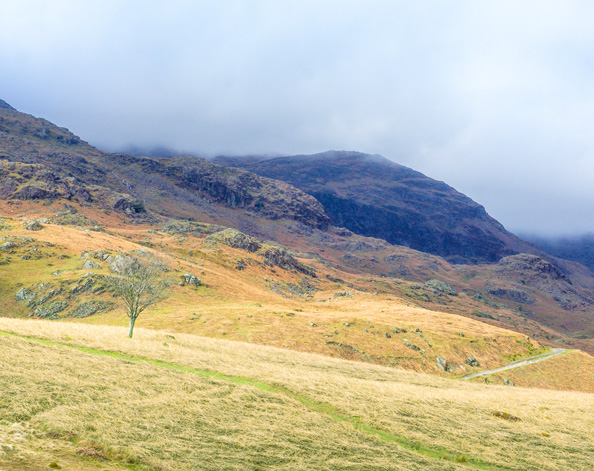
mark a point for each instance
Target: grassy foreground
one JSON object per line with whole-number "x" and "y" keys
{"x": 86, "y": 397}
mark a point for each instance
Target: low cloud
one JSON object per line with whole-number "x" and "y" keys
{"x": 495, "y": 98}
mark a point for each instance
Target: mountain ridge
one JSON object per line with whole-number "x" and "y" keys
{"x": 375, "y": 197}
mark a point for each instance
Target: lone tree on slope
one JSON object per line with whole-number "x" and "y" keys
{"x": 139, "y": 283}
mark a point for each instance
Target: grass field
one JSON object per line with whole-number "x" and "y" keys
{"x": 238, "y": 305}
{"x": 573, "y": 371}
{"x": 87, "y": 397}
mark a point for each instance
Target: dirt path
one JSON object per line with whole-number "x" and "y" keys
{"x": 516, "y": 364}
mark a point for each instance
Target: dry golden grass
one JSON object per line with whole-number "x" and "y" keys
{"x": 185, "y": 421}
{"x": 237, "y": 305}
{"x": 573, "y": 371}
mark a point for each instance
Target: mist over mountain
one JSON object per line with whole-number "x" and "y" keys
{"x": 162, "y": 152}
{"x": 579, "y": 248}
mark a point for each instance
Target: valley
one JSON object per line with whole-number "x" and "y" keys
{"x": 322, "y": 313}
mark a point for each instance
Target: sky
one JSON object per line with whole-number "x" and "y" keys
{"x": 496, "y": 98}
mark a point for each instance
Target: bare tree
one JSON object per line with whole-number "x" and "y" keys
{"x": 139, "y": 283}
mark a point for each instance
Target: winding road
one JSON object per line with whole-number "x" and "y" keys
{"x": 517, "y": 364}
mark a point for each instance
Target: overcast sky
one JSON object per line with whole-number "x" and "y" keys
{"x": 496, "y": 98}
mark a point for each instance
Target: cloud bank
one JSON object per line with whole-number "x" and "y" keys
{"x": 495, "y": 98}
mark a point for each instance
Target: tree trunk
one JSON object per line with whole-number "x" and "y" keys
{"x": 132, "y": 320}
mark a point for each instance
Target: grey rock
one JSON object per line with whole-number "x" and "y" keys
{"x": 50, "y": 311}
{"x": 33, "y": 226}
{"x": 7, "y": 245}
{"x": 191, "y": 279}
{"x": 471, "y": 361}
{"x": 87, "y": 285}
{"x": 90, "y": 307}
{"x": 90, "y": 265}
{"x": 120, "y": 264}
{"x": 411, "y": 346}
{"x": 49, "y": 295}
{"x": 23, "y": 294}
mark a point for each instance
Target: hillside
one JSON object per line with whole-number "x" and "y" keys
{"x": 190, "y": 402}
{"x": 263, "y": 295}
{"x": 42, "y": 162}
{"x": 273, "y": 270}
{"x": 375, "y": 197}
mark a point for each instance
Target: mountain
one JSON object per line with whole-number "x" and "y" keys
{"x": 376, "y": 197}
{"x": 48, "y": 162}
{"x": 285, "y": 341}
{"x": 261, "y": 240}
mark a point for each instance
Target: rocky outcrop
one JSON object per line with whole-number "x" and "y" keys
{"x": 273, "y": 255}
{"x": 530, "y": 269}
{"x": 280, "y": 257}
{"x": 241, "y": 189}
{"x": 129, "y": 205}
{"x": 38, "y": 182}
{"x": 236, "y": 239}
{"x": 536, "y": 272}
{"x": 33, "y": 225}
{"x": 190, "y": 279}
{"x": 514, "y": 295}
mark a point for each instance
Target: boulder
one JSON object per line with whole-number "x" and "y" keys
{"x": 471, "y": 361}
{"x": 90, "y": 265}
{"x": 33, "y": 226}
{"x": 7, "y": 245}
{"x": 191, "y": 279}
